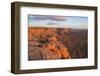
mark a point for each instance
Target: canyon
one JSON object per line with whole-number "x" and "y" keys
{"x": 56, "y": 43}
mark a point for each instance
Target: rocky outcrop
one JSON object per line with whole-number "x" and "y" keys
{"x": 43, "y": 44}
{"x": 40, "y": 33}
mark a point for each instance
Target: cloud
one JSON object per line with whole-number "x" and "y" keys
{"x": 52, "y": 23}
{"x": 58, "y": 18}
{"x": 41, "y": 17}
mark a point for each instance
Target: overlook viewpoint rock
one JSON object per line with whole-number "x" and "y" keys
{"x": 44, "y": 45}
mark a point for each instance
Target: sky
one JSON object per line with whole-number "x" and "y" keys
{"x": 75, "y": 22}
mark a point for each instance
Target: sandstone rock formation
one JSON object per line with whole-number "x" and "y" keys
{"x": 43, "y": 45}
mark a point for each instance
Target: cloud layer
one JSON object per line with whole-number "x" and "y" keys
{"x": 54, "y": 18}
{"x": 58, "y": 21}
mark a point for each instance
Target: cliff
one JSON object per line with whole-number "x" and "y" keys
{"x": 43, "y": 44}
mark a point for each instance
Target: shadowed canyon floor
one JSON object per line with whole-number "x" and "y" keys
{"x": 56, "y": 43}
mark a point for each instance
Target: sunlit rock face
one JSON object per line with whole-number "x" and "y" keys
{"x": 44, "y": 45}
{"x": 39, "y": 33}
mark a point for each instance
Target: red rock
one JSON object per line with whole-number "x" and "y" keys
{"x": 43, "y": 44}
